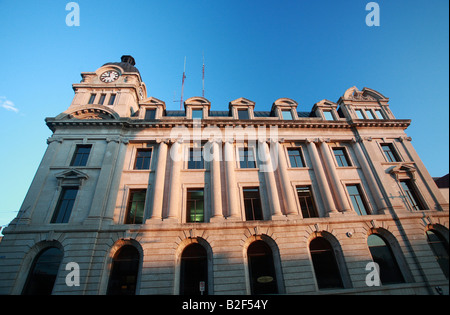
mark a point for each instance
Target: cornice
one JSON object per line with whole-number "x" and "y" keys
{"x": 54, "y": 123}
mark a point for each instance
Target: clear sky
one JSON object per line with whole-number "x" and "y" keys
{"x": 258, "y": 49}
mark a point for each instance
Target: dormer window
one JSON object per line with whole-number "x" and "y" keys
{"x": 243, "y": 114}
{"x": 379, "y": 114}
{"x": 328, "y": 115}
{"x": 242, "y": 109}
{"x": 285, "y": 109}
{"x": 287, "y": 114}
{"x": 197, "y": 114}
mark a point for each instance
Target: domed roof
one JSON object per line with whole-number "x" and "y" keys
{"x": 127, "y": 64}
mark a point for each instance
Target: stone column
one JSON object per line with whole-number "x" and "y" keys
{"x": 338, "y": 190}
{"x": 268, "y": 168}
{"x": 288, "y": 194}
{"x": 176, "y": 156}
{"x": 232, "y": 193}
{"x": 325, "y": 191}
{"x": 382, "y": 207}
{"x": 216, "y": 189}
{"x": 104, "y": 181}
{"x": 158, "y": 187}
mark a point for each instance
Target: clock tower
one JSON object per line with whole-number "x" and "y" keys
{"x": 114, "y": 89}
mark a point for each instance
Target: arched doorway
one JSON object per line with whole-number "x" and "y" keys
{"x": 326, "y": 268}
{"x": 43, "y": 272}
{"x": 194, "y": 270}
{"x": 439, "y": 246}
{"x": 261, "y": 268}
{"x": 382, "y": 254}
{"x": 124, "y": 271}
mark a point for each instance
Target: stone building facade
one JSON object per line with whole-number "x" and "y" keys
{"x": 131, "y": 198}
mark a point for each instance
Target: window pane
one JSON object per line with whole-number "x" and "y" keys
{"x": 193, "y": 270}
{"x": 150, "y": 114}
{"x": 143, "y": 158}
{"x": 136, "y": 203}
{"x": 195, "y": 205}
{"x": 370, "y": 114}
{"x": 197, "y": 114}
{"x": 287, "y": 115}
{"x": 102, "y": 99}
{"x": 389, "y": 152}
{"x": 252, "y": 204}
{"x": 196, "y": 159}
{"x": 328, "y": 115}
{"x": 325, "y": 266}
{"x": 307, "y": 204}
{"x": 81, "y": 155}
{"x": 112, "y": 98}
{"x": 246, "y": 158}
{"x": 358, "y": 203}
{"x": 91, "y": 99}
{"x": 411, "y": 196}
{"x": 65, "y": 204}
{"x": 439, "y": 246}
{"x": 243, "y": 114}
{"x": 261, "y": 269}
{"x": 124, "y": 272}
{"x": 383, "y": 256}
{"x": 341, "y": 157}
{"x": 42, "y": 276}
{"x": 359, "y": 113}
{"x": 296, "y": 158}
{"x": 379, "y": 114}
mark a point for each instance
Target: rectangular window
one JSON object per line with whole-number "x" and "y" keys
{"x": 135, "y": 208}
{"x": 287, "y": 115}
{"x": 91, "y": 99}
{"x": 379, "y": 114}
{"x": 197, "y": 114}
{"x": 243, "y": 114}
{"x": 143, "y": 158}
{"x": 246, "y": 158}
{"x": 295, "y": 157}
{"x": 150, "y": 114}
{"x": 369, "y": 114}
{"x": 196, "y": 161}
{"x": 112, "y": 98}
{"x": 412, "y": 197}
{"x": 307, "y": 203}
{"x": 195, "y": 205}
{"x": 102, "y": 99}
{"x": 252, "y": 204}
{"x": 65, "y": 205}
{"x": 390, "y": 153}
{"x": 359, "y": 204}
{"x": 81, "y": 155}
{"x": 341, "y": 157}
{"x": 359, "y": 113}
{"x": 328, "y": 115}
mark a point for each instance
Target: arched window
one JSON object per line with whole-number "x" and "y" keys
{"x": 382, "y": 254}
{"x": 325, "y": 265}
{"x": 439, "y": 246}
{"x": 194, "y": 269}
{"x": 261, "y": 268}
{"x": 124, "y": 271}
{"x": 43, "y": 272}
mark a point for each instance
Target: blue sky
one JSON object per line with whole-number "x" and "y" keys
{"x": 261, "y": 50}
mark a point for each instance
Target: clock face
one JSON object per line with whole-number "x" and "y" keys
{"x": 109, "y": 76}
